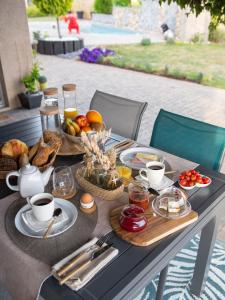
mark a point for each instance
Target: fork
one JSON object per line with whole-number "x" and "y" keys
{"x": 72, "y": 262}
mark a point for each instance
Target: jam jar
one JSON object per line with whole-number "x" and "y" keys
{"x": 138, "y": 194}
{"x": 131, "y": 218}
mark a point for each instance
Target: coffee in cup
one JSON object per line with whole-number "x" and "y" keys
{"x": 154, "y": 173}
{"x": 42, "y": 206}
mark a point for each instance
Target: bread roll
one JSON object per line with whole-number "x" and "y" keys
{"x": 14, "y": 148}
{"x": 42, "y": 156}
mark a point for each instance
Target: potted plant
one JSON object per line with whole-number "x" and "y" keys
{"x": 80, "y": 14}
{"x": 32, "y": 97}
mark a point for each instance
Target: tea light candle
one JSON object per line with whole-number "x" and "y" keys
{"x": 87, "y": 203}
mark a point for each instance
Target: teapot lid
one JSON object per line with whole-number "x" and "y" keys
{"x": 28, "y": 169}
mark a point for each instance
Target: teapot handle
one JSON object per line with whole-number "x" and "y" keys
{"x": 12, "y": 187}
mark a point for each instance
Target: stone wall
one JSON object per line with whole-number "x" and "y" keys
{"x": 150, "y": 16}
{"x": 15, "y": 49}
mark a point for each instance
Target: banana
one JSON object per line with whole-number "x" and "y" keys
{"x": 70, "y": 130}
{"x": 76, "y": 127}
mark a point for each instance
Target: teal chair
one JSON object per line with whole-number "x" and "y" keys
{"x": 196, "y": 141}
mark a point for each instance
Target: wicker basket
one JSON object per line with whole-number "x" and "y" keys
{"x": 52, "y": 157}
{"x": 95, "y": 190}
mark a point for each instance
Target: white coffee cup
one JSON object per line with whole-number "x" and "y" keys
{"x": 42, "y": 210}
{"x": 153, "y": 176}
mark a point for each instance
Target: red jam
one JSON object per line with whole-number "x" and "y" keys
{"x": 131, "y": 220}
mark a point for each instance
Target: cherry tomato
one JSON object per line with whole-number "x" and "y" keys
{"x": 193, "y": 172}
{"x": 206, "y": 180}
{"x": 193, "y": 178}
{"x": 183, "y": 182}
{"x": 182, "y": 177}
{"x": 188, "y": 178}
{"x": 191, "y": 183}
{"x": 199, "y": 180}
{"x": 188, "y": 173}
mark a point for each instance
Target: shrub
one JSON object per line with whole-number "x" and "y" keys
{"x": 123, "y": 3}
{"x": 145, "y": 42}
{"x": 34, "y": 12}
{"x": 197, "y": 38}
{"x": 103, "y": 6}
{"x": 217, "y": 35}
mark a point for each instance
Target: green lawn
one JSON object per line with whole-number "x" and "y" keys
{"x": 201, "y": 63}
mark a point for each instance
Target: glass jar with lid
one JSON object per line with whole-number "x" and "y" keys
{"x": 51, "y": 97}
{"x": 138, "y": 194}
{"x": 70, "y": 104}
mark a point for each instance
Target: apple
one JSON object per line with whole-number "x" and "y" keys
{"x": 82, "y": 121}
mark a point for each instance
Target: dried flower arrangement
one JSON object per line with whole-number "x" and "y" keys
{"x": 100, "y": 166}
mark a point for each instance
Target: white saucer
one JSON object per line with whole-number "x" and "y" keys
{"x": 165, "y": 183}
{"x": 67, "y": 207}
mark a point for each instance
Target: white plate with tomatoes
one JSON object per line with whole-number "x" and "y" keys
{"x": 191, "y": 179}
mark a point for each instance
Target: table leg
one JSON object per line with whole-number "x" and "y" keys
{"x": 206, "y": 245}
{"x": 161, "y": 284}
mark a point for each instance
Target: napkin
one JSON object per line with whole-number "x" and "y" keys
{"x": 85, "y": 275}
{"x": 38, "y": 226}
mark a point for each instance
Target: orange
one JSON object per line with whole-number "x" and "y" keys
{"x": 94, "y": 116}
{"x": 86, "y": 129}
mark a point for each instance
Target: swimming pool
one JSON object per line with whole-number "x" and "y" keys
{"x": 101, "y": 29}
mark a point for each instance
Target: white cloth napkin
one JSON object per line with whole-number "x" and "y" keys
{"x": 38, "y": 226}
{"x": 85, "y": 275}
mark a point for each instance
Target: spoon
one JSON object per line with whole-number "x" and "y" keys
{"x": 57, "y": 213}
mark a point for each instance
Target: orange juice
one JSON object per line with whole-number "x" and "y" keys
{"x": 124, "y": 171}
{"x": 70, "y": 112}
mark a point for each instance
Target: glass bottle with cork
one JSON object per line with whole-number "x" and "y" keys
{"x": 70, "y": 104}
{"x": 51, "y": 97}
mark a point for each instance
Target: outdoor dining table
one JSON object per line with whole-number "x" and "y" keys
{"x": 135, "y": 266}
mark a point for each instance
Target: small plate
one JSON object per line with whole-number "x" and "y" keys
{"x": 187, "y": 187}
{"x": 165, "y": 183}
{"x": 128, "y": 155}
{"x": 65, "y": 205}
{"x": 204, "y": 185}
{"x": 171, "y": 192}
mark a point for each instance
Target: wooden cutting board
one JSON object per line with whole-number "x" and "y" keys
{"x": 69, "y": 148}
{"x": 156, "y": 229}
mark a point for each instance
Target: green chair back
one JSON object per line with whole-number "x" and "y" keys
{"x": 197, "y": 141}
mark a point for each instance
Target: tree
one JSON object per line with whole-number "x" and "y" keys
{"x": 54, "y": 7}
{"x": 215, "y": 7}
{"x": 103, "y": 6}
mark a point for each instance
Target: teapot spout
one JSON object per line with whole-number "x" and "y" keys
{"x": 46, "y": 175}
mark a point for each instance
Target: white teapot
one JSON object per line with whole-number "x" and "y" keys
{"x": 30, "y": 180}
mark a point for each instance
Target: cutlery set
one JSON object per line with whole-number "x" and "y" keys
{"x": 71, "y": 268}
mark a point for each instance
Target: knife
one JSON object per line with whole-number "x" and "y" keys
{"x": 85, "y": 264}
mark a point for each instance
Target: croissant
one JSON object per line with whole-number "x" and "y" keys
{"x": 14, "y": 148}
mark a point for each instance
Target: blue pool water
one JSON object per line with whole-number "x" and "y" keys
{"x": 100, "y": 29}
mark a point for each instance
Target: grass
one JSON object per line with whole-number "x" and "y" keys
{"x": 200, "y": 63}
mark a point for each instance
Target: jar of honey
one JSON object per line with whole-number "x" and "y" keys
{"x": 70, "y": 104}
{"x": 138, "y": 194}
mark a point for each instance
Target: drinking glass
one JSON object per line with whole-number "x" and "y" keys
{"x": 63, "y": 182}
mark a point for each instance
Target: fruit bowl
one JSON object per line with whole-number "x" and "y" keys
{"x": 90, "y": 123}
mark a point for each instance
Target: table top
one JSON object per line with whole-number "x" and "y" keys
{"x": 135, "y": 267}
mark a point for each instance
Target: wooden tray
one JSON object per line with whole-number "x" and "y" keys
{"x": 69, "y": 148}
{"x": 156, "y": 229}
